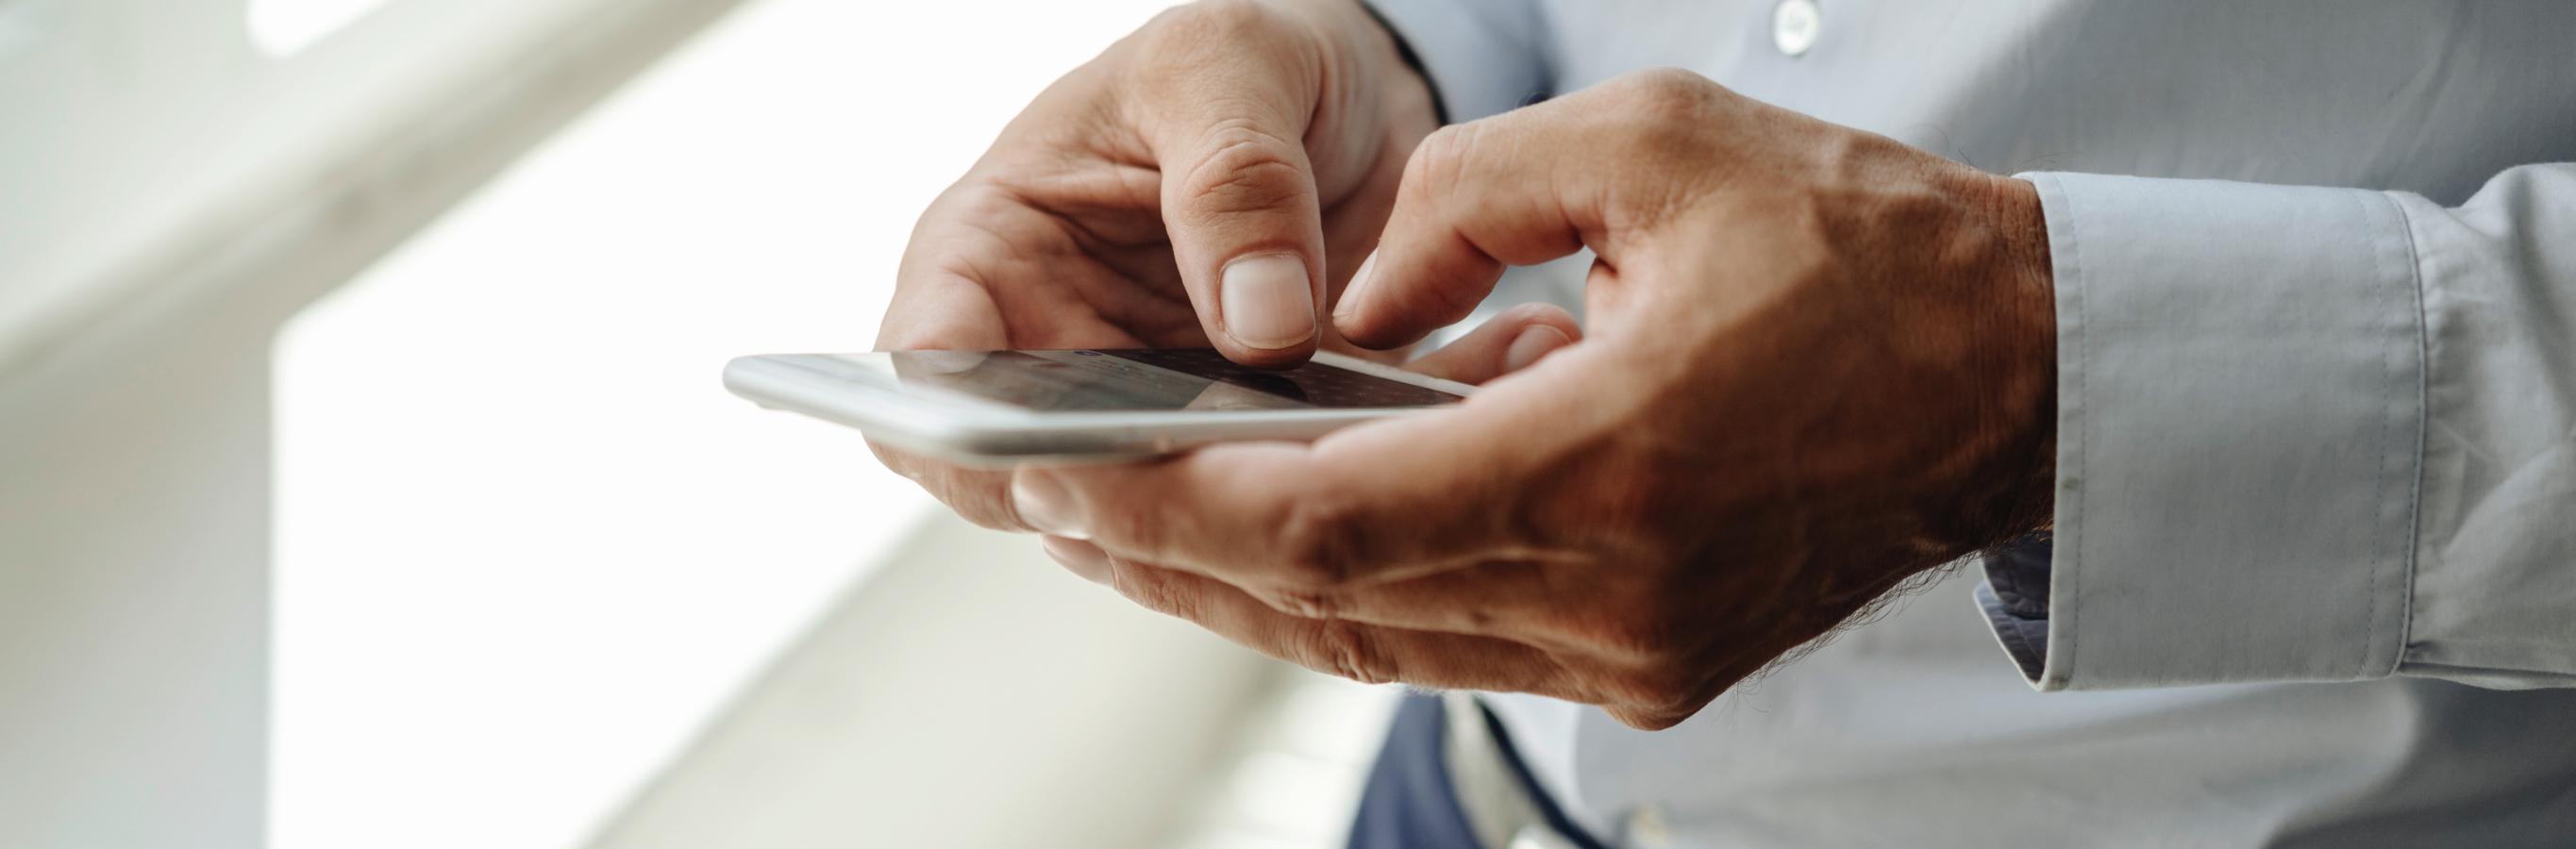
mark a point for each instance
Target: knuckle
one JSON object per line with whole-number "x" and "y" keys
{"x": 1135, "y": 586}
{"x": 1305, "y": 603}
{"x": 1246, "y": 168}
{"x": 1663, "y": 108}
{"x": 1661, "y": 690}
{"x": 967, "y": 209}
{"x": 1648, "y": 720}
{"x": 1149, "y": 590}
{"x": 1439, "y": 160}
{"x": 1665, "y": 92}
{"x": 1351, "y": 651}
{"x": 972, "y": 198}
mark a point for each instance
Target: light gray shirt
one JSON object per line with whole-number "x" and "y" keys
{"x": 2313, "y": 579}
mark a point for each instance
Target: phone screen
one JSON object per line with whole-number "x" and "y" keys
{"x": 1150, "y": 379}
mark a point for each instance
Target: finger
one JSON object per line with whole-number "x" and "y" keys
{"x": 981, "y": 496}
{"x": 1506, "y": 343}
{"x": 1353, "y": 650}
{"x": 1512, "y": 599}
{"x": 1390, "y": 499}
{"x": 1508, "y": 599}
{"x": 1261, "y": 514}
{"x": 1476, "y": 197}
{"x": 945, "y": 312}
{"x": 1084, "y": 560}
{"x": 1229, "y": 94}
{"x": 1364, "y": 651}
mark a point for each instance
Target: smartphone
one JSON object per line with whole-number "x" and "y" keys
{"x": 1004, "y": 408}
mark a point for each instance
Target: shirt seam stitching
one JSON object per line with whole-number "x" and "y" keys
{"x": 2073, "y": 579}
{"x": 2412, "y": 529}
{"x": 2388, "y": 377}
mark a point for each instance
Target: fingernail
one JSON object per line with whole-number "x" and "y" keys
{"x": 1351, "y": 292}
{"x": 1535, "y": 343}
{"x": 1266, "y": 302}
{"x": 1080, "y": 558}
{"x": 1045, "y": 506}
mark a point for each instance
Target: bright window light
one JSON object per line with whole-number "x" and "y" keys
{"x": 527, "y": 545}
{"x": 283, "y": 28}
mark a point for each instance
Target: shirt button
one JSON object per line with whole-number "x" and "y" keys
{"x": 1794, "y": 24}
{"x": 1646, "y": 825}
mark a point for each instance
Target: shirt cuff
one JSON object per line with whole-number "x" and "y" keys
{"x": 1481, "y": 58}
{"x": 2240, "y": 422}
{"x": 2015, "y": 600}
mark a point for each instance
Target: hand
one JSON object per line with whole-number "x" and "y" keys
{"x": 1819, "y": 363}
{"x": 1208, "y": 180}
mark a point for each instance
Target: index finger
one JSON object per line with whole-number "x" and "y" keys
{"x": 1520, "y": 188}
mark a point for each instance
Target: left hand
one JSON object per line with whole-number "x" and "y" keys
{"x": 1819, "y": 363}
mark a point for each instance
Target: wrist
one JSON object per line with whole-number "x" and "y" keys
{"x": 2026, "y": 321}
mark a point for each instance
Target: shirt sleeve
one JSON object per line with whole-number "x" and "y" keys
{"x": 2305, "y": 434}
{"x": 1483, "y": 57}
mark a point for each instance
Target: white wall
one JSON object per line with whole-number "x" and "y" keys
{"x": 969, "y": 696}
{"x": 520, "y": 519}
{"x": 133, "y": 587}
{"x": 171, "y": 198}
{"x": 145, "y": 135}
{"x": 189, "y": 195}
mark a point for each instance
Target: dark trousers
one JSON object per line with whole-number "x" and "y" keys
{"x": 1409, "y": 803}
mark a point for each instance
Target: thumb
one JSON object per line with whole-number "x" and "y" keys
{"x": 1231, "y": 94}
{"x": 1506, "y": 343}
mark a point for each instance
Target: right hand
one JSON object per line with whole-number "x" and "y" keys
{"x": 1821, "y": 363}
{"x": 1210, "y": 180}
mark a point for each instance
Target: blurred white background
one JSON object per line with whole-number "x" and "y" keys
{"x": 534, "y": 579}
{"x": 519, "y": 522}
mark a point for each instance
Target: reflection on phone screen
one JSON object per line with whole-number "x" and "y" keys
{"x": 1151, "y": 379}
